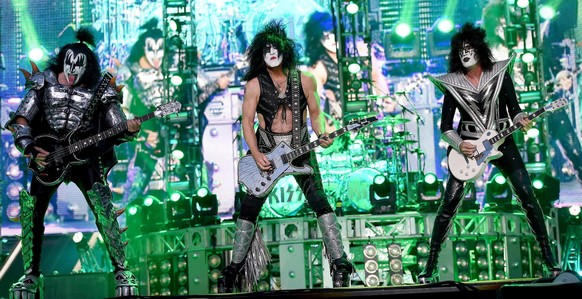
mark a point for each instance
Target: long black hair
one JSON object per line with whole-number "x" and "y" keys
{"x": 272, "y": 33}
{"x": 318, "y": 23}
{"x": 92, "y": 73}
{"x": 475, "y": 37}
{"x": 150, "y": 30}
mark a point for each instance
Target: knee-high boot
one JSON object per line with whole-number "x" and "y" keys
{"x": 442, "y": 224}
{"x": 535, "y": 217}
{"x": 100, "y": 198}
{"x": 31, "y": 284}
{"x": 249, "y": 256}
{"x": 341, "y": 267}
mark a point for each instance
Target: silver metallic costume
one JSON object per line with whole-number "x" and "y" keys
{"x": 52, "y": 108}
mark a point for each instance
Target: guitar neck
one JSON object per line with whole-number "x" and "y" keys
{"x": 312, "y": 145}
{"x": 81, "y": 144}
{"x": 515, "y": 127}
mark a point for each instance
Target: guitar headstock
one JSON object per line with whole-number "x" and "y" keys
{"x": 168, "y": 108}
{"x": 555, "y": 105}
{"x": 357, "y": 124}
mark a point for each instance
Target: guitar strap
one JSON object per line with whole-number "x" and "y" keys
{"x": 295, "y": 109}
{"x": 99, "y": 92}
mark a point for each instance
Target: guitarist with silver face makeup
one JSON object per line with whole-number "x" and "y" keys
{"x": 280, "y": 96}
{"x": 70, "y": 97}
{"x": 483, "y": 92}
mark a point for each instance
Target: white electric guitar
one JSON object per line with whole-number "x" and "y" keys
{"x": 471, "y": 168}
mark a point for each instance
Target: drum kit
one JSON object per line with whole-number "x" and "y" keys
{"x": 383, "y": 148}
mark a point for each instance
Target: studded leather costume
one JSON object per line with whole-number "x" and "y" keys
{"x": 244, "y": 246}
{"x": 486, "y": 106}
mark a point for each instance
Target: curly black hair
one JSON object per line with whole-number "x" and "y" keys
{"x": 272, "y": 33}
{"x": 475, "y": 36}
{"x": 316, "y": 25}
{"x": 92, "y": 73}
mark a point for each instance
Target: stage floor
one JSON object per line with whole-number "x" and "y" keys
{"x": 522, "y": 288}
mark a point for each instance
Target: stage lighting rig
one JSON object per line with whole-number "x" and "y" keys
{"x": 383, "y": 196}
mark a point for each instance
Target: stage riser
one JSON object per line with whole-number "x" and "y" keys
{"x": 299, "y": 263}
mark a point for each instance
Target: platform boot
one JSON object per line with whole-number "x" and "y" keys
{"x": 100, "y": 198}
{"x": 31, "y": 284}
{"x": 341, "y": 267}
{"x": 249, "y": 257}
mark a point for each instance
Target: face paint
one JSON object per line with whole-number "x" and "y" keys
{"x": 74, "y": 66}
{"x": 154, "y": 51}
{"x": 468, "y": 56}
{"x": 328, "y": 42}
{"x": 272, "y": 56}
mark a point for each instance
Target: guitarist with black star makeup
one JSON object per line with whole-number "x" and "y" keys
{"x": 280, "y": 96}
{"x": 72, "y": 103}
{"x": 483, "y": 92}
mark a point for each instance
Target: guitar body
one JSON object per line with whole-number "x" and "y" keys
{"x": 259, "y": 183}
{"x": 469, "y": 169}
{"x": 55, "y": 172}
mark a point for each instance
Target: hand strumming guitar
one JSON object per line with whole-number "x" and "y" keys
{"x": 262, "y": 161}
{"x": 467, "y": 148}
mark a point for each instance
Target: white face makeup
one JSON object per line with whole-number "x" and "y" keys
{"x": 328, "y": 42}
{"x": 74, "y": 66}
{"x": 468, "y": 56}
{"x": 272, "y": 56}
{"x": 154, "y": 51}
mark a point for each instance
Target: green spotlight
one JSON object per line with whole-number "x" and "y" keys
{"x": 178, "y": 154}
{"x": 445, "y": 25}
{"x": 176, "y": 195}
{"x": 533, "y": 133}
{"x": 354, "y": 68}
{"x": 547, "y": 12}
{"x": 352, "y": 8}
{"x": 36, "y": 54}
{"x": 403, "y": 29}
{"x": 202, "y": 192}
{"x": 528, "y": 57}
{"x": 379, "y": 179}
{"x": 499, "y": 179}
{"x": 430, "y": 178}
{"x": 148, "y": 201}
{"x": 176, "y": 80}
{"x": 522, "y": 3}
{"x": 574, "y": 210}
{"x": 173, "y": 24}
{"x": 132, "y": 210}
{"x": 78, "y": 237}
{"x": 538, "y": 184}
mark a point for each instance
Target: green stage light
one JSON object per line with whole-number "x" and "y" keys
{"x": 528, "y": 57}
{"x": 148, "y": 201}
{"x": 445, "y": 25}
{"x": 202, "y": 192}
{"x": 78, "y": 237}
{"x": 176, "y": 196}
{"x": 354, "y": 68}
{"x": 36, "y": 54}
{"x": 132, "y": 210}
{"x": 430, "y": 178}
{"x": 538, "y": 184}
{"x": 352, "y": 8}
{"x": 547, "y": 12}
{"x": 379, "y": 179}
{"x": 499, "y": 179}
{"x": 176, "y": 80}
{"x": 574, "y": 210}
{"x": 403, "y": 29}
{"x": 178, "y": 154}
{"x": 522, "y": 3}
{"x": 533, "y": 133}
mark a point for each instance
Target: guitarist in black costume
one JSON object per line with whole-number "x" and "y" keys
{"x": 280, "y": 96}
{"x": 483, "y": 92}
{"x": 59, "y": 100}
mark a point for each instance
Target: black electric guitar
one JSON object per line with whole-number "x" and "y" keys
{"x": 71, "y": 150}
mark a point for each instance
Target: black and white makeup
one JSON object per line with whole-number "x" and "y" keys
{"x": 468, "y": 55}
{"x": 328, "y": 42}
{"x": 272, "y": 56}
{"x": 74, "y": 66}
{"x": 154, "y": 51}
